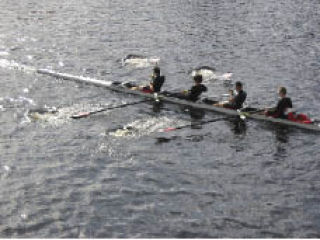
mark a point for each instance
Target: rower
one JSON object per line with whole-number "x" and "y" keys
{"x": 283, "y": 105}
{"x": 156, "y": 82}
{"x": 236, "y": 100}
{"x": 194, "y": 93}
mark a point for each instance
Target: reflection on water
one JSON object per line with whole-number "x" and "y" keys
{"x": 227, "y": 179}
{"x": 282, "y": 133}
{"x": 282, "y": 141}
{"x": 196, "y": 114}
{"x": 156, "y": 106}
{"x": 238, "y": 125}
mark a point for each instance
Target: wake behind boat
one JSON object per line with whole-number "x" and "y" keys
{"x": 250, "y": 113}
{"x": 210, "y": 74}
{"x": 139, "y": 61}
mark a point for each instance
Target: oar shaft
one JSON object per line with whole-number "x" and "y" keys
{"x": 202, "y": 123}
{"x": 86, "y": 114}
{"x": 119, "y": 106}
{"x": 197, "y": 124}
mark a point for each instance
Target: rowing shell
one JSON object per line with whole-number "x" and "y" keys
{"x": 119, "y": 88}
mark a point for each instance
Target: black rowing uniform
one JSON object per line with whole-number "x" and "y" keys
{"x": 192, "y": 95}
{"x": 157, "y": 83}
{"x": 195, "y": 92}
{"x": 281, "y": 108}
{"x": 237, "y": 101}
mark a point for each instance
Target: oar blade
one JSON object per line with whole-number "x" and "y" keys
{"x": 80, "y": 115}
{"x": 169, "y": 129}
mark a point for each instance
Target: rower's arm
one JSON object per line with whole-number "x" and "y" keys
{"x": 231, "y": 97}
{"x": 275, "y": 111}
{"x": 151, "y": 85}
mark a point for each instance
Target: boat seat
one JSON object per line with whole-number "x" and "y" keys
{"x": 290, "y": 110}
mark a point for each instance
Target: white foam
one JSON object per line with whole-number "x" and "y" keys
{"x": 27, "y": 100}
{"x": 226, "y": 76}
{"x": 6, "y": 168}
{"x": 4, "y": 53}
{"x": 4, "y": 63}
{"x": 141, "y": 62}
{"x": 147, "y": 126}
{"x": 25, "y": 119}
{"x": 207, "y": 74}
{"x": 20, "y": 99}
{"x": 11, "y": 64}
{"x": 57, "y": 117}
{"x": 210, "y": 75}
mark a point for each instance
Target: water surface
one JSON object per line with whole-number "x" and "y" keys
{"x": 71, "y": 178}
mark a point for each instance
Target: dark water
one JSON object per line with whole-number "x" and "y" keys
{"x": 71, "y": 178}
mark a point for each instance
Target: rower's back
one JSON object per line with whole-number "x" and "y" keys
{"x": 158, "y": 80}
{"x": 239, "y": 99}
{"x": 282, "y": 106}
{"x": 157, "y": 83}
{"x": 197, "y": 89}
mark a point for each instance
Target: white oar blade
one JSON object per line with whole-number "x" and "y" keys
{"x": 80, "y": 115}
{"x": 243, "y": 117}
{"x": 167, "y": 129}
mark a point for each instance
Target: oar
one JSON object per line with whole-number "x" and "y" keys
{"x": 86, "y": 114}
{"x": 191, "y": 125}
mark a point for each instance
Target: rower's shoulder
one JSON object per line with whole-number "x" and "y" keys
{"x": 287, "y": 99}
{"x": 243, "y": 93}
{"x": 204, "y": 87}
{"x": 289, "y": 102}
{"x": 160, "y": 78}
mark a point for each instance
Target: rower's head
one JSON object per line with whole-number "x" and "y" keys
{"x": 239, "y": 86}
{"x": 156, "y": 71}
{"x": 197, "y": 79}
{"x": 282, "y": 91}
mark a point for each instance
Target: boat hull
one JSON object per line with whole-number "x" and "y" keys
{"x": 203, "y": 106}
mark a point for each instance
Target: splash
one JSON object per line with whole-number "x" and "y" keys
{"x": 4, "y": 53}
{"x": 144, "y": 127}
{"x": 52, "y": 116}
{"x": 139, "y": 61}
{"x": 5, "y": 171}
{"x": 20, "y": 100}
{"x": 13, "y": 65}
{"x": 210, "y": 74}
